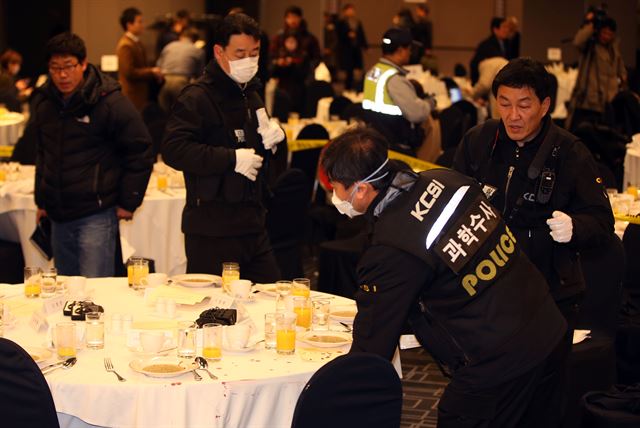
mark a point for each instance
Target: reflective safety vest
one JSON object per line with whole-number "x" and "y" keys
{"x": 376, "y": 95}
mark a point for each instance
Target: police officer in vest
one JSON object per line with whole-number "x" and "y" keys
{"x": 441, "y": 257}
{"x": 390, "y": 99}
{"x": 543, "y": 180}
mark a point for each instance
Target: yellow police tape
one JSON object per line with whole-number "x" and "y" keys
{"x": 633, "y": 219}
{"x": 6, "y": 151}
{"x": 415, "y": 163}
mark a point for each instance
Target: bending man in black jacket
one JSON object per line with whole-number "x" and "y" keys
{"x": 219, "y": 135}
{"x": 542, "y": 178}
{"x": 442, "y": 258}
{"x": 93, "y": 160}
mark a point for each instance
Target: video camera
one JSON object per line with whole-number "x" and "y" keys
{"x": 600, "y": 16}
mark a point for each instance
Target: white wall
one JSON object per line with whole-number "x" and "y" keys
{"x": 97, "y": 22}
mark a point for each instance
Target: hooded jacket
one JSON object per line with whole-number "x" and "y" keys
{"x": 93, "y": 151}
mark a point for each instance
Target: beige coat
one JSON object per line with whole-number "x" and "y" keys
{"x": 600, "y": 73}
{"x": 133, "y": 73}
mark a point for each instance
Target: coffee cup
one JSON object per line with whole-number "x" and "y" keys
{"x": 154, "y": 279}
{"x": 236, "y": 336}
{"x": 152, "y": 341}
{"x": 240, "y": 288}
{"x": 76, "y": 286}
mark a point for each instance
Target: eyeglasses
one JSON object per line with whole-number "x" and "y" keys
{"x": 66, "y": 68}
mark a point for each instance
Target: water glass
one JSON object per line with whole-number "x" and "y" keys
{"x": 286, "y": 333}
{"x": 65, "y": 338}
{"x": 140, "y": 273}
{"x": 32, "y": 281}
{"x": 212, "y": 341}
{"x": 49, "y": 281}
{"x": 187, "y": 339}
{"x": 320, "y": 313}
{"x": 94, "y": 330}
{"x": 301, "y": 287}
{"x": 283, "y": 288}
{"x": 302, "y": 308}
{"x": 230, "y": 273}
{"x": 270, "y": 330}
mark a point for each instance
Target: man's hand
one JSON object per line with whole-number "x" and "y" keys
{"x": 248, "y": 163}
{"x": 270, "y": 131}
{"x": 39, "y": 214}
{"x": 123, "y": 214}
{"x": 561, "y": 227}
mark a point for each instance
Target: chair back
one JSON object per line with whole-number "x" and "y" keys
{"x": 338, "y": 107}
{"x": 25, "y": 398}
{"x": 307, "y": 160}
{"x": 282, "y": 105}
{"x": 316, "y": 90}
{"x": 353, "y": 390}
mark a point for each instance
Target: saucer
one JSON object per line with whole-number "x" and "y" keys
{"x": 137, "y": 350}
{"x": 244, "y": 350}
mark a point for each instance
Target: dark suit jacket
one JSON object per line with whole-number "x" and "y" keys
{"x": 488, "y": 48}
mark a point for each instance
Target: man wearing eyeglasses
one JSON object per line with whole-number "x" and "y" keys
{"x": 93, "y": 159}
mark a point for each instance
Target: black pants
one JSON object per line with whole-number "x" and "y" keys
{"x": 205, "y": 254}
{"x": 531, "y": 400}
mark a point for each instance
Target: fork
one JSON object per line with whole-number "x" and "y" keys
{"x": 108, "y": 365}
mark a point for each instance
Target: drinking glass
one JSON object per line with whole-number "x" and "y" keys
{"x": 301, "y": 287}
{"x": 270, "y": 330}
{"x": 162, "y": 182}
{"x": 320, "y": 314}
{"x": 131, "y": 269}
{"x": 32, "y": 281}
{"x": 302, "y": 308}
{"x": 94, "y": 330}
{"x": 49, "y": 281}
{"x": 65, "y": 339}
{"x": 230, "y": 273}
{"x": 212, "y": 341}
{"x": 286, "y": 333}
{"x": 283, "y": 288}
{"x": 140, "y": 273}
{"x": 186, "y": 339}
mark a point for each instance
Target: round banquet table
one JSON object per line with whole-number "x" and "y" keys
{"x": 632, "y": 166}
{"x": 11, "y": 127}
{"x": 254, "y": 389}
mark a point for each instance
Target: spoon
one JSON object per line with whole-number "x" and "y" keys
{"x": 69, "y": 362}
{"x": 347, "y": 326}
{"x": 203, "y": 364}
{"x": 196, "y": 376}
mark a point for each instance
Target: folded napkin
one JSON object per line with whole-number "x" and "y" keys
{"x": 24, "y": 187}
{"x": 180, "y": 295}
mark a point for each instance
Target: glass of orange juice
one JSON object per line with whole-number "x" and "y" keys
{"x": 32, "y": 281}
{"x": 162, "y": 182}
{"x": 65, "y": 339}
{"x": 301, "y": 287}
{"x": 230, "y": 273}
{"x": 286, "y": 333}
{"x": 302, "y": 308}
{"x": 212, "y": 341}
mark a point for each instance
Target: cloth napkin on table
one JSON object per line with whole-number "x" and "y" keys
{"x": 24, "y": 187}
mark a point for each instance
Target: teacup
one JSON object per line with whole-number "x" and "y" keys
{"x": 236, "y": 336}
{"x": 152, "y": 342}
{"x": 76, "y": 286}
{"x": 240, "y": 288}
{"x": 154, "y": 279}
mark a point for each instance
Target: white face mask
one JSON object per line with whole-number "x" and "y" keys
{"x": 346, "y": 207}
{"x": 243, "y": 70}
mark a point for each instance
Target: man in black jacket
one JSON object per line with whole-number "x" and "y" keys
{"x": 542, "y": 178}
{"x": 219, "y": 135}
{"x": 441, "y": 258}
{"x": 494, "y": 45}
{"x": 93, "y": 159}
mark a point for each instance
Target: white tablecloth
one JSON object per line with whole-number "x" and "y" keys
{"x": 632, "y": 166}
{"x": 255, "y": 389}
{"x": 11, "y": 128}
{"x": 153, "y": 233}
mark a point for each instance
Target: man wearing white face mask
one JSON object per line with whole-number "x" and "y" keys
{"x": 220, "y": 136}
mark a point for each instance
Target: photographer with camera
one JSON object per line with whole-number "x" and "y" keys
{"x": 601, "y": 72}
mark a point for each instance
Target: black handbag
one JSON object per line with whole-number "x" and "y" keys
{"x": 41, "y": 238}
{"x": 218, "y": 316}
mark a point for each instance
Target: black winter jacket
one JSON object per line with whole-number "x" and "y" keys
{"x": 210, "y": 120}
{"x": 577, "y": 191}
{"x": 93, "y": 152}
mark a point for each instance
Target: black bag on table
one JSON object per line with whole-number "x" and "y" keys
{"x": 617, "y": 408}
{"x": 218, "y": 316}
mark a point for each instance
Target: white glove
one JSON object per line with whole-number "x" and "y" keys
{"x": 271, "y": 132}
{"x": 561, "y": 227}
{"x": 248, "y": 163}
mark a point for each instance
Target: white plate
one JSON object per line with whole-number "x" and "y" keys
{"x": 39, "y": 355}
{"x": 343, "y": 313}
{"x": 326, "y": 339}
{"x": 197, "y": 280}
{"x": 244, "y": 350}
{"x": 140, "y": 353}
{"x": 267, "y": 289}
{"x": 145, "y": 366}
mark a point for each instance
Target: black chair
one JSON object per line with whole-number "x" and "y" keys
{"x": 307, "y": 160}
{"x": 286, "y": 221}
{"x": 354, "y": 390}
{"x": 12, "y": 266}
{"x": 316, "y": 90}
{"x": 628, "y": 335}
{"x": 25, "y": 398}
{"x": 282, "y": 105}
{"x": 354, "y": 111}
{"x": 338, "y": 107}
